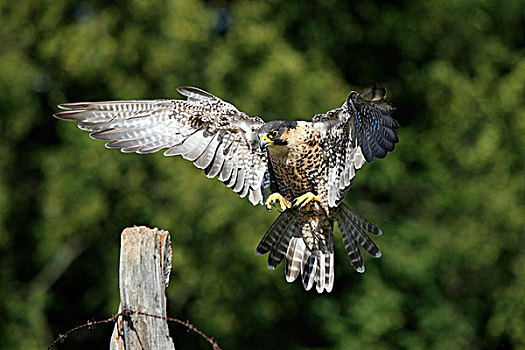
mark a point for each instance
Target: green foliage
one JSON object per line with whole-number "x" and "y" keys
{"x": 451, "y": 199}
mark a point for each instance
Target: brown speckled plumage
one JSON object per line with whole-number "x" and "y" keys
{"x": 310, "y": 163}
{"x": 297, "y": 167}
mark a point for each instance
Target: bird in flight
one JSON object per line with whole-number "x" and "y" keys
{"x": 308, "y": 167}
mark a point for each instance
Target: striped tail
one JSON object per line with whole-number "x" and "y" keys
{"x": 307, "y": 243}
{"x": 353, "y": 227}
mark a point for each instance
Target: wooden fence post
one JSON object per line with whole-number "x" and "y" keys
{"x": 145, "y": 265}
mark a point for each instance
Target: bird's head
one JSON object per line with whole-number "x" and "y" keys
{"x": 275, "y": 133}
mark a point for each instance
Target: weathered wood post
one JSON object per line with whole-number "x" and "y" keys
{"x": 145, "y": 265}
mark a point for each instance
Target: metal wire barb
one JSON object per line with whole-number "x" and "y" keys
{"x": 128, "y": 313}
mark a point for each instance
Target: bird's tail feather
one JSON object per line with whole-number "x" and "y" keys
{"x": 307, "y": 246}
{"x": 353, "y": 229}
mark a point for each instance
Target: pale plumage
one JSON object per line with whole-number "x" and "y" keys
{"x": 310, "y": 164}
{"x": 209, "y": 132}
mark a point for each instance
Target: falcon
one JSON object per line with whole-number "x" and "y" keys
{"x": 307, "y": 166}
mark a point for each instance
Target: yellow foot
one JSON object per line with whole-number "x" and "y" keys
{"x": 277, "y": 198}
{"x": 305, "y": 200}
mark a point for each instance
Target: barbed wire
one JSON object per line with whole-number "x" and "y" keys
{"x": 126, "y": 313}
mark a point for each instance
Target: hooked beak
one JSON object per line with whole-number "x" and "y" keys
{"x": 264, "y": 141}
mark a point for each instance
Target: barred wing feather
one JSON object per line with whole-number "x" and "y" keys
{"x": 360, "y": 130}
{"x": 203, "y": 129}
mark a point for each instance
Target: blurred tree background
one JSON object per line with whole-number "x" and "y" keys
{"x": 451, "y": 199}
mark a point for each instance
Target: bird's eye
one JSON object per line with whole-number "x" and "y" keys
{"x": 273, "y": 134}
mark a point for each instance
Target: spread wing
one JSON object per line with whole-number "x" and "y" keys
{"x": 204, "y": 129}
{"x": 360, "y": 130}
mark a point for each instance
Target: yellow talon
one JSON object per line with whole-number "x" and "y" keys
{"x": 277, "y": 198}
{"x": 305, "y": 200}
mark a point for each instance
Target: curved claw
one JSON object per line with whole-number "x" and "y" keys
{"x": 305, "y": 200}
{"x": 277, "y": 198}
